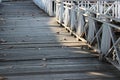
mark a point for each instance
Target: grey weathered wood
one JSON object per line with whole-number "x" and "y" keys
{"x": 52, "y": 54}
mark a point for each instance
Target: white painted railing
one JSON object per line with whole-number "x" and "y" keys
{"x": 95, "y": 23}
{"x": 107, "y": 7}
{"x": 46, "y": 5}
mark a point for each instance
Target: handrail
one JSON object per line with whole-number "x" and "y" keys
{"x": 92, "y": 23}
{"x": 46, "y": 5}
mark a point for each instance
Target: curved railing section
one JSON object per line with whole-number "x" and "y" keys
{"x": 47, "y": 5}
{"x": 95, "y": 22}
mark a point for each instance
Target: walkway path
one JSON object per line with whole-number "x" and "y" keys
{"x": 34, "y": 47}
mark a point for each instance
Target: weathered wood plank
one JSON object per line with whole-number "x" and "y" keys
{"x": 59, "y": 68}
{"x": 48, "y": 53}
{"x": 38, "y": 49}
{"x": 64, "y": 76}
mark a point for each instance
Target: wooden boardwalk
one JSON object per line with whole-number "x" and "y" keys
{"x": 34, "y": 47}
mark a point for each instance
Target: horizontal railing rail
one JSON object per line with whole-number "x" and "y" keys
{"x": 92, "y": 23}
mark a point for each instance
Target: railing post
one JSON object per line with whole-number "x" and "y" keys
{"x": 46, "y": 5}
{"x": 50, "y": 7}
{"x": 66, "y": 16}
{"x": 106, "y": 40}
{"x": 90, "y": 20}
{"x": 57, "y": 9}
{"x": 100, "y": 6}
{"x": 61, "y": 8}
{"x": 73, "y": 16}
{"x": 92, "y": 28}
{"x": 81, "y": 22}
{"x": 119, "y": 9}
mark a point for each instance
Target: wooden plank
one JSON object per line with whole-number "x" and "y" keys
{"x": 57, "y": 61}
{"x": 48, "y": 53}
{"x": 62, "y": 45}
{"x": 37, "y": 38}
{"x": 48, "y": 69}
{"x": 61, "y": 77}
{"x": 52, "y": 54}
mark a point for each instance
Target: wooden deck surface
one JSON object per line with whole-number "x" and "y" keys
{"x": 34, "y": 47}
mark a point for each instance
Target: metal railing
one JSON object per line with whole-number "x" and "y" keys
{"x": 107, "y": 7}
{"x": 94, "y": 21}
{"x": 47, "y": 5}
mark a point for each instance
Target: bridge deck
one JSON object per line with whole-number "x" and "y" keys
{"x": 34, "y": 47}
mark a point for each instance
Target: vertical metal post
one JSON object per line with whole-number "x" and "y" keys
{"x": 67, "y": 16}
{"x": 118, "y": 9}
{"x": 106, "y": 40}
{"x": 50, "y": 8}
{"x": 61, "y": 11}
{"x": 72, "y": 16}
{"x": 57, "y": 10}
{"x": 91, "y": 29}
{"x": 81, "y": 22}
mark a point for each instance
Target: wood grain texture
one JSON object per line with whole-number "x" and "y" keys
{"x": 34, "y": 47}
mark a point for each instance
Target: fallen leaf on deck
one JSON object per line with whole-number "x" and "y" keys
{"x": 58, "y": 32}
{"x": 10, "y": 47}
{"x": 2, "y": 41}
{"x": 23, "y": 40}
{"x": 65, "y": 39}
{"x": 33, "y": 15}
{"x": 3, "y": 78}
